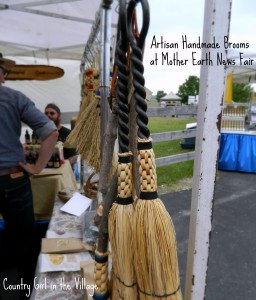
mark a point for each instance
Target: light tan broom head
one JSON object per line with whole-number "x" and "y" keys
{"x": 85, "y": 136}
{"x": 156, "y": 261}
{"x": 121, "y": 233}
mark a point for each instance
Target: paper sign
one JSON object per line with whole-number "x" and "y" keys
{"x": 76, "y": 205}
{"x": 62, "y": 262}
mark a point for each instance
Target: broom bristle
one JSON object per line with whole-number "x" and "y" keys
{"x": 86, "y": 134}
{"x": 85, "y": 109}
{"x": 121, "y": 237}
{"x": 121, "y": 240}
{"x": 156, "y": 261}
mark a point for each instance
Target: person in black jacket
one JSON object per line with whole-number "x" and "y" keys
{"x": 53, "y": 112}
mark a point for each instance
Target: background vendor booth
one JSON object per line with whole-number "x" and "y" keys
{"x": 63, "y": 34}
{"x": 238, "y": 128}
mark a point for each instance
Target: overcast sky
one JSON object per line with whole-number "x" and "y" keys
{"x": 174, "y": 19}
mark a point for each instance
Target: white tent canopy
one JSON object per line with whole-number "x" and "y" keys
{"x": 48, "y": 28}
{"x": 244, "y": 71}
{"x": 170, "y": 96}
{"x": 52, "y": 32}
{"x": 243, "y": 74}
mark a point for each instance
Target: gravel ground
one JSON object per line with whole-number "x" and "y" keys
{"x": 181, "y": 185}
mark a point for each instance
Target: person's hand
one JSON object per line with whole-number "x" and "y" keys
{"x": 30, "y": 168}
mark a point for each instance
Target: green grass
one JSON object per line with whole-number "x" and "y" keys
{"x": 164, "y": 124}
{"x": 168, "y": 148}
{"x": 171, "y": 174}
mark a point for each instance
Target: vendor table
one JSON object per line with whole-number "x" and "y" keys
{"x": 238, "y": 151}
{"x": 46, "y": 185}
{"x": 61, "y": 225}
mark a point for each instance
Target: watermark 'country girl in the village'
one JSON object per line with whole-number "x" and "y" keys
{"x": 79, "y": 284}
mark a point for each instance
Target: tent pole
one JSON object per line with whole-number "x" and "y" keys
{"x": 212, "y": 78}
{"x": 105, "y": 29}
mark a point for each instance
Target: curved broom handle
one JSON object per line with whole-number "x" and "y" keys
{"x": 137, "y": 44}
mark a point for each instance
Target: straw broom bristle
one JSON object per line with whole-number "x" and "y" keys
{"x": 120, "y": 233}
{"x": 75, "y": 134}
{"x": 86, "y": 134}
{"x": 89, "y": 87}
{"x": 156, "y": 261}
{"x": 121, "y": 237}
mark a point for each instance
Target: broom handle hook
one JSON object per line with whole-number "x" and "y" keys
{"x": 145, "y": 22}
{"x": 137, "y": 44}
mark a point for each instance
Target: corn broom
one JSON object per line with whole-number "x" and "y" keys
{"x": 156, "y": 262}
{"x": 85, "y": 136}
{"x": 121, "y": 213}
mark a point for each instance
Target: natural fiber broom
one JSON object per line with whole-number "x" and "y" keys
{"x": 155, "y": 261}
{"x": 155, "y": 240}
{"x": 86, "y": 134}
{"x": 121, "y": 234}
{"x": 121, "y": 214}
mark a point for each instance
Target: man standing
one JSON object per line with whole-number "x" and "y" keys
{"x": 16, "y": 200}
{"x": 53, "y": 112}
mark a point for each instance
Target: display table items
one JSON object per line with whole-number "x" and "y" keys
{"x": 237, "y": 144}
{"x": 32, "y": 148}
{"x": 233, "y": 117}
{"x": 57, "y": 176}
{"x": 47, "y": 184}
{"x": 73, "y": 277}
{"x": 238, "y": 151}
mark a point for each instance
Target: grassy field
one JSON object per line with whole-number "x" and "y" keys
{"x": 170, "y": 175}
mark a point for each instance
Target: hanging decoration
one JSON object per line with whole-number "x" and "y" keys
{"x": 85, "y": 136}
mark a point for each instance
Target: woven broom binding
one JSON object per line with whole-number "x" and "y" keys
{"x": 147, "y": 170}
{"x": 101, "y": 273}
{"x": 124, "y": 171}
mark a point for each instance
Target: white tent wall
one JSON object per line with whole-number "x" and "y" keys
{"x": 56, "y": 33}
{"x": 64, "y": 91}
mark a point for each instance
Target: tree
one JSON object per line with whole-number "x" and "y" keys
{"x": 189, "y": 88}
{"x": 160, "y": 94}
{"x": 241, "y": 92}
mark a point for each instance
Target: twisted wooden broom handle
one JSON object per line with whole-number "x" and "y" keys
{"x": 137, "y": 44}
{"x": 122, "y": 82}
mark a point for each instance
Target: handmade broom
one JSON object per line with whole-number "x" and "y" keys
{"x": 121, "y": 214}
{"x": 156, "y": 262}
{"x": 85, "y": 136}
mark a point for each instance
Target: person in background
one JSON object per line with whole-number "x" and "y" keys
{"x": 53, "y": 112}
{"x": 16, "y": 199}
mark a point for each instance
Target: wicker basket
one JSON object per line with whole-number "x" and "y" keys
{"x": 66, "y": 194}
{"x": 91, "y": 187}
